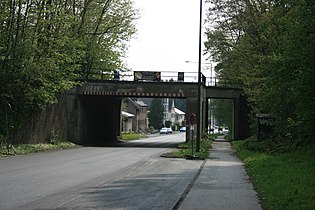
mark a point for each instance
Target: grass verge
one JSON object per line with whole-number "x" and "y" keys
{"x": 188, "y": 149}
{"x": 283, "y": 181}
{"x": 132, "y": 136}
{"x": 32, "y": 148}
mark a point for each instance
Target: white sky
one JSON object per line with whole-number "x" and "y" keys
{"x": 168, "y": 35}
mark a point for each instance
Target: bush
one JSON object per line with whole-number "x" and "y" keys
{"x": 31, "y": 148}
{"x": 131, "y": 136}
{"x": 189, "y": 149}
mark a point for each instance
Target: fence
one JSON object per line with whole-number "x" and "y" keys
{"x": 167, "y": 76}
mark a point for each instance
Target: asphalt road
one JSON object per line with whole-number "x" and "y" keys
{"x": 129, "y": 176}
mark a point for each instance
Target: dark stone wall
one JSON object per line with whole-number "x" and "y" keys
{"x": 92, "y": 120}
{"x": 245, "y": 130}
{"x": 52, "y": 124}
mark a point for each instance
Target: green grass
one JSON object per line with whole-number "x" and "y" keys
{"x": 131, "y": 136}
{"x": 185, "y": 149}
{"x": 32, "y": 148}
{"x": 284, "y": 181}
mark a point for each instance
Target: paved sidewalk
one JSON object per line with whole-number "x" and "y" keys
{"x": 223, "y": 183}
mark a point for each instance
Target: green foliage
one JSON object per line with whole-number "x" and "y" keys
{"x": 283, "y": 181}
{"x": 156, "y": 113}
{"x": 32, "y": 148}
{"x": 45, "y": 46}
{"x": 268, "y": 46}
{"x": 131, "y": 136}
{"x": 54, "y": 136}
{"x": 188, "y": 149}
{"x": 222, "y": 112}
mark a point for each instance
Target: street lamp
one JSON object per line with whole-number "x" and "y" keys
{"x": 199, "y": 82}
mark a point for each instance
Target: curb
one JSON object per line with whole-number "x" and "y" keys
{"x": 183, "y": 196}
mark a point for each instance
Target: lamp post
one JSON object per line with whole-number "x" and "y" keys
{"x": 199, "y": 83}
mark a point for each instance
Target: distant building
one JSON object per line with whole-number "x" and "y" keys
{"x": 173, "y": 114}
{"x": 166, "y": 113}
{"x": 126, "y": 121}
{"x": 179, "y": 117}
{"x": 140, "y": 111}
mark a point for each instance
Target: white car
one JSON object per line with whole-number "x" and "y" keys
{"x": 165, "y": 130}
{"x": 182, "y": 129}
{"x": 169, "y": 130}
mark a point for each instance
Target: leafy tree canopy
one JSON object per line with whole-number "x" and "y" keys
{"x": 269, "y": 46}
{"x": 156, "y": 113}
{"x": 45, "y": 45}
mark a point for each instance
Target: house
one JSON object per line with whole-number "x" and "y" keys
{"x": 173, "y": 115}
{"x": 126, "y": 121}
{"x": 179, "y": 116}
{"x": 139, "y": 109}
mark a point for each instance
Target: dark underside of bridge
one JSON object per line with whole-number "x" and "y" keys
{"x": 99, "y": 121}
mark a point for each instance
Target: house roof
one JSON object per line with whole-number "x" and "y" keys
{"x": 126, "y": 114}
{"x": 141, "y": 103}
{"x": 179, "y": 112}
{"x": 138, "y": 103}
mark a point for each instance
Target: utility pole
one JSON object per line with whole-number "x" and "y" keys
{"x": 199, "y": 83}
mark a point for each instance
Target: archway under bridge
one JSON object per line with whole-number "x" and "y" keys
{"x": 232, "y": 113}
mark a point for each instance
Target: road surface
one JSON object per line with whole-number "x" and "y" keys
{"x": 131, "y": 176}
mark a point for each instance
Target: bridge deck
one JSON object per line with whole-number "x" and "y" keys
{"x": 154, "y": 89}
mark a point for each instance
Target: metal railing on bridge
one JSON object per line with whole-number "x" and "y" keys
{"x": 164, "y": 76}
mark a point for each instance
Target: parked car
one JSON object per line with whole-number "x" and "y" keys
{"x": 163, "y": 130}
{"x": 166, "y": 130}
{"x": 182, "y": 129}
{"x": 226, "y": 130}
{"x": 169, "y": 130}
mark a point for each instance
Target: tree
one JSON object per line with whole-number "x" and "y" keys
{"x": 156, "y": 113}
{"x": 268, "y": 46}
{"x": 223, "y": 112}
{"x": 180, "y": 104}
{"x": 46, "y": 45}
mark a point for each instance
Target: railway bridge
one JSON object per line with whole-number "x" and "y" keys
{"x": 96, "y": 118}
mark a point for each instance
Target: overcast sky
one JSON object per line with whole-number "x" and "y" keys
{"x": 168, "y": 35}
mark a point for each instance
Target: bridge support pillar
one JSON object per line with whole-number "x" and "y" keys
{"x": 241, "y": 119}
{"x": 207, "y": 117}
{"x": 244, "y": 126}
{"x": 236, "y": 118}
{"x": 192, "y": 108}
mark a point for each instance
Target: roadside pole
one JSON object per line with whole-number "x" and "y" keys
{"x": 198, "y": 130}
